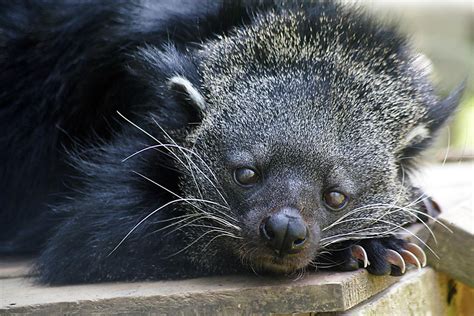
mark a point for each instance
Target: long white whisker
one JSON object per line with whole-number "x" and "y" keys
{"x": 199, "y": 200}
{"x": 194, "y": 217}
{"x": 166, "y": 146}
{"x": 357, "y": 235}
{"x": 143, "y": 220}
{"x": 149, "y": 135}
{"x": 189, "y": 160}
{"x": 187, "y": 166}
{"x": 184, "y": 149}
{"x": 139, "y": 128}
{"x": 422, "y": 197}
{"x": 358, "y": 209}
{"x": 200, "y": 217}
{"x": 350, "y": 233}
{"x": 448, "y": 147}
{"x": 419, "y": 212}
{"x": 402, "y": 228}
{"x": 224, "y": 234}
{"x": 195, "y": 241}
{"x": 392, "y": 208}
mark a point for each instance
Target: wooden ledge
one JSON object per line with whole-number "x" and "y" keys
{"x": 318, "y": 292}
{"x": 452, "y": 186}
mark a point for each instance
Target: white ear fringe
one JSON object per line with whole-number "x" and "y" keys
{"x": 423, "y": 64}
{"x": 192, "y": 93}
{"x": 417, "y": 134}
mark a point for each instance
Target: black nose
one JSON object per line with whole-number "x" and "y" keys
{"x": 285, "y": 231}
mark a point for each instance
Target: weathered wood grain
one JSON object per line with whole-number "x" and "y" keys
{"x": 452, "y": 186}
{"x": 221, "y": 295}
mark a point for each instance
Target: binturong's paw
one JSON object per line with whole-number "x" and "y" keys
{"x": 379, "y": 256}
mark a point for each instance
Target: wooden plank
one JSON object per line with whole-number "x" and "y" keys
{"x": 14, "y": 267}
{"x": 424, "y": 292}
{"x": 216, "y": 295}
{"x": 417, "y": 293}
{"x": 452, "y": 186}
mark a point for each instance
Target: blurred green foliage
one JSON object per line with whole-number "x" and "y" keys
{"x": 463, "y": 126}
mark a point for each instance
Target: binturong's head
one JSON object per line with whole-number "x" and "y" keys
{"x": 307, "y": 121}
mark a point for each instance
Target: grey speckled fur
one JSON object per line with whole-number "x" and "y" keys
{"x": 314, "y": 97}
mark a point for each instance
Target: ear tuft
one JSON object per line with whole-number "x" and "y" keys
{"x": 422, "y": 135}
{"x": 185, "y": 90}
{"x": 440, "y": 112}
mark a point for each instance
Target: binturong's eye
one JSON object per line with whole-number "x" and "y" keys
{"x": 246, "y": 176}
{"x": 335, "y": 200}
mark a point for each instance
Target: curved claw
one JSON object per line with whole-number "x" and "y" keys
{"x": 410, "y": 258}
{"x": 396, "y": 259}
{"x": 418, "y": 252}
{"x": 359, "y": 253}
{"x": 431, "y": 207}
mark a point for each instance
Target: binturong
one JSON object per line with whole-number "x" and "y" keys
{"x": 172, "y": 140}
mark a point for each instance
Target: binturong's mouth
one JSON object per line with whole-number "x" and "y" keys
{"x": 286, "y": 243}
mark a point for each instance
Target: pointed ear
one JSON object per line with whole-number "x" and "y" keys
{"x": 441, "y": 111}
{"x": 188, "y": 96}
{"x": 421, "y": 136}
{"x": 168, "y": 83}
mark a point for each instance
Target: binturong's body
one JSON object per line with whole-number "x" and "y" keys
{"x": 168, "y": 140}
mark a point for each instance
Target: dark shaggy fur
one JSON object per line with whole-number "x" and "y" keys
{"x": 68, "y": 67}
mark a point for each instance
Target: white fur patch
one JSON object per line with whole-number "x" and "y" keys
{"x": 417, "y": 134}
{"x": 423, "y": 64}
{"x": 192, "y": 93}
